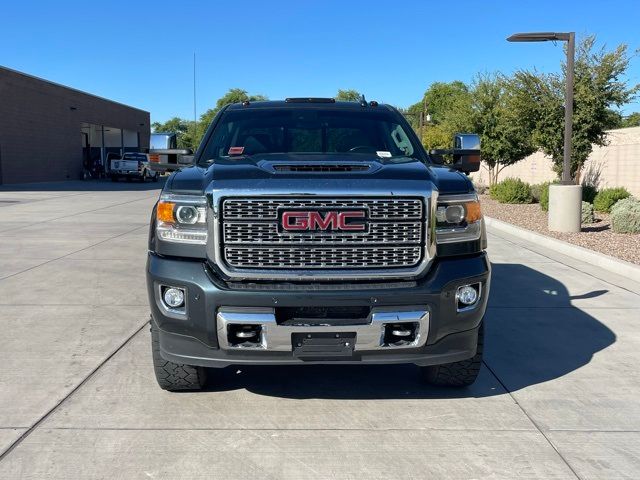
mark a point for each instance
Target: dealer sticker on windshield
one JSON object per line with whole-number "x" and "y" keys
{"x": 236, "y": 150}
{"x": 383, "y": 154}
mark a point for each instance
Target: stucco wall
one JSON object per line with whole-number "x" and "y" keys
{"x": 616, "y": 165}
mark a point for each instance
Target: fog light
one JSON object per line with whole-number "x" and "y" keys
{"x": 173, "y": 297}
{"x": 467, "y": 295}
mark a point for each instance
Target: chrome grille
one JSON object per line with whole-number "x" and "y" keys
{"x": 267, "y": 233}
{"x": 267, "y": 209}
{"x": 251, "y": 237}
{"x": 352, "y": 257}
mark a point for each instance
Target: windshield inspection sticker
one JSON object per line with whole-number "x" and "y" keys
{"x": 384, "y": 154}
{"x": 236, "y": 150}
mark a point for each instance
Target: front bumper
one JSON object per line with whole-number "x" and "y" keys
{"x": 198, "y": 337}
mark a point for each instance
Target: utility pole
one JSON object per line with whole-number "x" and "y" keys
{"x": 421, "y": 126}
{"x": 568, "y": 109}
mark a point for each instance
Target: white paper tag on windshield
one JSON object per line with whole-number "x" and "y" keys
{"x": 383, "y": 154}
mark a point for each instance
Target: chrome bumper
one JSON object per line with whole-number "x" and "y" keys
{"x": 277, "y": 338}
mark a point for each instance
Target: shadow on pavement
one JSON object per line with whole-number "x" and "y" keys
{"x": 103, "y": 185}
{"x": 534, "y": 335}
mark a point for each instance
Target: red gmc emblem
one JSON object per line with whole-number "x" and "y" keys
{"x": 330, "y": 220}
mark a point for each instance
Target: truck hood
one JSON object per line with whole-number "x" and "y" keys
{"x": 305, "y": 174}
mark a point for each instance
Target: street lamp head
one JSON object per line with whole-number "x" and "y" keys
{"x": 538, "y": 37}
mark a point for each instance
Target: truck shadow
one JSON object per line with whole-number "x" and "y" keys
{"x": 533, "y": 335}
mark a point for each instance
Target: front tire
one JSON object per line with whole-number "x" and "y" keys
{"x": 174, "y": 376}
{"x": 456, "y": 374}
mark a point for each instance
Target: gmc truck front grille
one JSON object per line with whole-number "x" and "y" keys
{"x": 252, "y": 235}
{"x": 267, "y": 233}
{"x": 267, "y": 208}
{"x": 322, "y": 257}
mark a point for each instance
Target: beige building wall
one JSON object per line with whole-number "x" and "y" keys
{"x": 616, "y": 165}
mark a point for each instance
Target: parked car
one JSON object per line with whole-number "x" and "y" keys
{"x": 132, "y": 165}
{"x": 319, "y": 232}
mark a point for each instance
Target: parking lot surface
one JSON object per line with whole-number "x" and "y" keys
{"x": 557, "y": 398}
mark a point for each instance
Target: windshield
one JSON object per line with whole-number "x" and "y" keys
{"x": 307, "y": 131}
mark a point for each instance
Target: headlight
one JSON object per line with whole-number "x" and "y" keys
{"x": 182, "y": 219}
{"x": 458, "y": 218}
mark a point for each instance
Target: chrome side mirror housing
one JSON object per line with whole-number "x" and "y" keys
{"x": 466, "y": 152}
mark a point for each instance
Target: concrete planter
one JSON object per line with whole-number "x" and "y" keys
{"x": 565, "y": 208}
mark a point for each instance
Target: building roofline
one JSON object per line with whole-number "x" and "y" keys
{"x": 2, "y": 67}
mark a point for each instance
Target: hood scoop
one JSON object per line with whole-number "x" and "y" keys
{"x": 319, "y": 167}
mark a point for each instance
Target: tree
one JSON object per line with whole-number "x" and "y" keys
{"x": 184, "y": 130}
{"x": 632, "y": 120}
{"x": 599, "y": 86}
{"x": 234, "y": 95}
{"x": 505, "y": 137}
{"x": 449, "y": 105}
{"x": 348, "y": 96}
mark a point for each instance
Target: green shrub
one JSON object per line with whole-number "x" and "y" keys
{"x": 544, "y": 196}
{"x": 512, "y": 190}
{"x": 493, "y": 189}
{"x": 605, "y": 199}
{"x": 536, "y": 190}
{"x": 589, "y": 193}
{"x": 587, "y": 213}
{"x": 625, "y": 216}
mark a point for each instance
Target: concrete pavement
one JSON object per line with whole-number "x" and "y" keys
{"x": 558, "y": 396}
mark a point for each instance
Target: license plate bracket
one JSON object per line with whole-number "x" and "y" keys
{"x": 323, "y": 345}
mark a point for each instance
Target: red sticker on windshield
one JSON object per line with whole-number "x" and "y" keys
{"x": 236, "y": 150}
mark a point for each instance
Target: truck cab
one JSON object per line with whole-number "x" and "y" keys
{"x": 310, "y": 231}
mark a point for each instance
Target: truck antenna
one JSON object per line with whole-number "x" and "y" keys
{"x": 195, "y": 118}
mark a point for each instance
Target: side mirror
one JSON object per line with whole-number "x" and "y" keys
{"x": 466, "y": 152}
{"x": 185, "y": 159}
{"x": 170, "y": 151}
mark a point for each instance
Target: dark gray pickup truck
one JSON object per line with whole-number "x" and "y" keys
{"x": 315, "y": 231}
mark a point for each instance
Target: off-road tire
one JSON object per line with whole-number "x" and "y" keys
{"x": 456, "y": 374}
{"x": 174, "y": 376}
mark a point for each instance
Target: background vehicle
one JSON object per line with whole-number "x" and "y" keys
{"x": 132, "y": 165}
{"x": 315, "y": 231}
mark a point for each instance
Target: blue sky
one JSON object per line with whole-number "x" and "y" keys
{"x": 140, "y": 53}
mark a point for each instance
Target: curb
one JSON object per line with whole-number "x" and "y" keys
{"x": 620, "y": 267}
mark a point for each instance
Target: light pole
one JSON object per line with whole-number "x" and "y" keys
{"x": 564, "y": 203}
